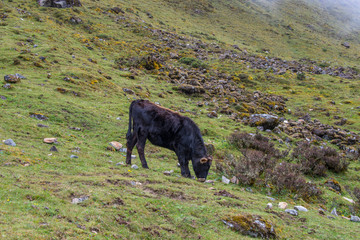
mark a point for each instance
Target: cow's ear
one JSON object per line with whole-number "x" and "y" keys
{"x": 204, "y": 160}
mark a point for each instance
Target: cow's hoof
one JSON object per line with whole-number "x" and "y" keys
{"x": 145, "y": 166}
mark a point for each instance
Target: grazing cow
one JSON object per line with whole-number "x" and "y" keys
{"x": 170, "y": 130}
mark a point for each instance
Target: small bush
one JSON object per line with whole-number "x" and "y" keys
{"x": 287, "y": 177}
{"x": 256, "y": 142}
{"x": 315, "y": 160}
{"x": 300, "y": 76}
{"x": 193, "y": 62}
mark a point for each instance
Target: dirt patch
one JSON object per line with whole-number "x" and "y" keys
{"x": 225, "y": 193}
{"x": 152, "y": 230}
{"x": 116, "y": 202}
{"x": 118, "y": 182}
{"x": 168, "y": 193}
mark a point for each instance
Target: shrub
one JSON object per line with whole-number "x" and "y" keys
{"x": 193, "y": 62}
{"x": 287, "y": 177}
{"x": 315, "y": 160}
{"x": 257, "y": 142}
{"x": 300, "y": 76}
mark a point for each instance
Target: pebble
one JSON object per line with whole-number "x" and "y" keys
{"x": 168, "y": 173}
{"x": 271, "y": 199}
{"x": 269, "y": 206}
{"x": 283, "y": 205}
{"x": 334, "y": 212}
{"x": 133, "y": 156}
{"x": 209, "y": 181}
{"x": 7, "y": 86}
{"x": 10, "y": 142}
{"x": 292, "y": 212}
{"x": 116, "y": 145}
{"x": 123, "y": 150}
{"x": 73, "y": 156}
{"x": 120, "y": 164}
{"x": 349, "y": 200}
{"x": 79, "y": 200}
{"x": 53, "y": 149}
{"x": 354, "y": 218}
{"x": 300, "y": 209}
{"x": 50, "y": 140}
{"x": 134, "y": 167}
{"x": 225, "y": 180}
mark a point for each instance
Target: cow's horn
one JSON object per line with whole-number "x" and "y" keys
{"x": 204, "y": 160}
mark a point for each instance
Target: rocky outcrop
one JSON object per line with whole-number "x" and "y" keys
{"x": 59, "y": 3}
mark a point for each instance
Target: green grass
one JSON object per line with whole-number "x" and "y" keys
{"x": 37, "y": 185}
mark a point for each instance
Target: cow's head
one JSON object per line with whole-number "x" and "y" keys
{"x": 201, "y": 168}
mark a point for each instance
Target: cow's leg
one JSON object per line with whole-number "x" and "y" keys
{"x": 131, "y": 141}
{"x": 184, "y": 166}
{"x": 141, "y": 148}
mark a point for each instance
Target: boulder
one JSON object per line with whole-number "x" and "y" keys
{"x": 116, "y": 145}
{"x": 266, "y": 121}
{"x": 283, "y": 205}
{"x": 59, "y": 3}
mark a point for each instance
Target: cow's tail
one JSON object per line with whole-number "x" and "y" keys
{"x": 129, "y": 133}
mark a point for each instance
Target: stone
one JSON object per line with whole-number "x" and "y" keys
{"x": 129, "y": 91}
{"x": 10, "y": 142}
{"x": 251, "y": 225}
{"x": 79, "y": 200}
{"x": 300, "y": 209}
{"x": 345, "y": 44}
{"x": 13, "y": 78}
{"x": 234, "y": 180}
{"x": 38, "y": 116}
{"x": 271, "y": 199}
{"x": 292, "y": 212}
{"x": 269, "y": 206}
{"x": 225, "y": 180}
{"x": 168, "y": 173}
{"x": 354, "y": 218}
{"x": 134, "y": 167}
{"x": 333, "y": 184}
{"x": 212, "y": 114}
{"x": 209, "y": 181}
{"x": 50, "y": 140}
{"x": 349, "y": 200}
{"x": 266, "y": 121}
{"x": 124, "y": 150}
{"x": 59, "y": 3}
{"x": 283, "y": 205}
{"x": 7, "y": 86}
{"x": 120, "y": 164}
{"x": 53, "y": 149}
{"x": 73, "y": 156}
{"x": 334, "y": 212}
{"x": 3, "y": 97}
{"x": 116, "y": 145}
{"x": 42, "y": 125}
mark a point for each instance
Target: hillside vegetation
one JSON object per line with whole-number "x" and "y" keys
{"x": 218, "y": 62}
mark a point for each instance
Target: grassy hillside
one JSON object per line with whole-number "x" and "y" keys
{"x": 83, "y": 66}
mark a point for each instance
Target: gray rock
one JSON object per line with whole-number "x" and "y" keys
{"x": 10, "y": 142}
{"x": 53, "y": 149}
{"x": 354, "y": 218}
{"x": 79, "y": 200}
{"x": 292, "y": 212}
{"x": 124, "y": 150}
{"x": 120, "y": 164}
{"x": 73, "y": 156}
{"x": 7, "y": 86}
{"x": 269, "y": 206}
{"x": 271, "y": 199}
{"x": 133, "y": 156}
{"x": 334, "y": 212}
{"x": 300, "y": 209}
{"x": 59, "y": 3}
{"x": 266, "y": 121}
{"x": 225, "y": 180}
{"x": 168, "y": 173}
{"x": 134, "y": 167}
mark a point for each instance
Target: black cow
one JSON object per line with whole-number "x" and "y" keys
{"x": 167, "y": 129}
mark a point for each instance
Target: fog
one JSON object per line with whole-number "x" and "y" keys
{"x": 343, "y": 15}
